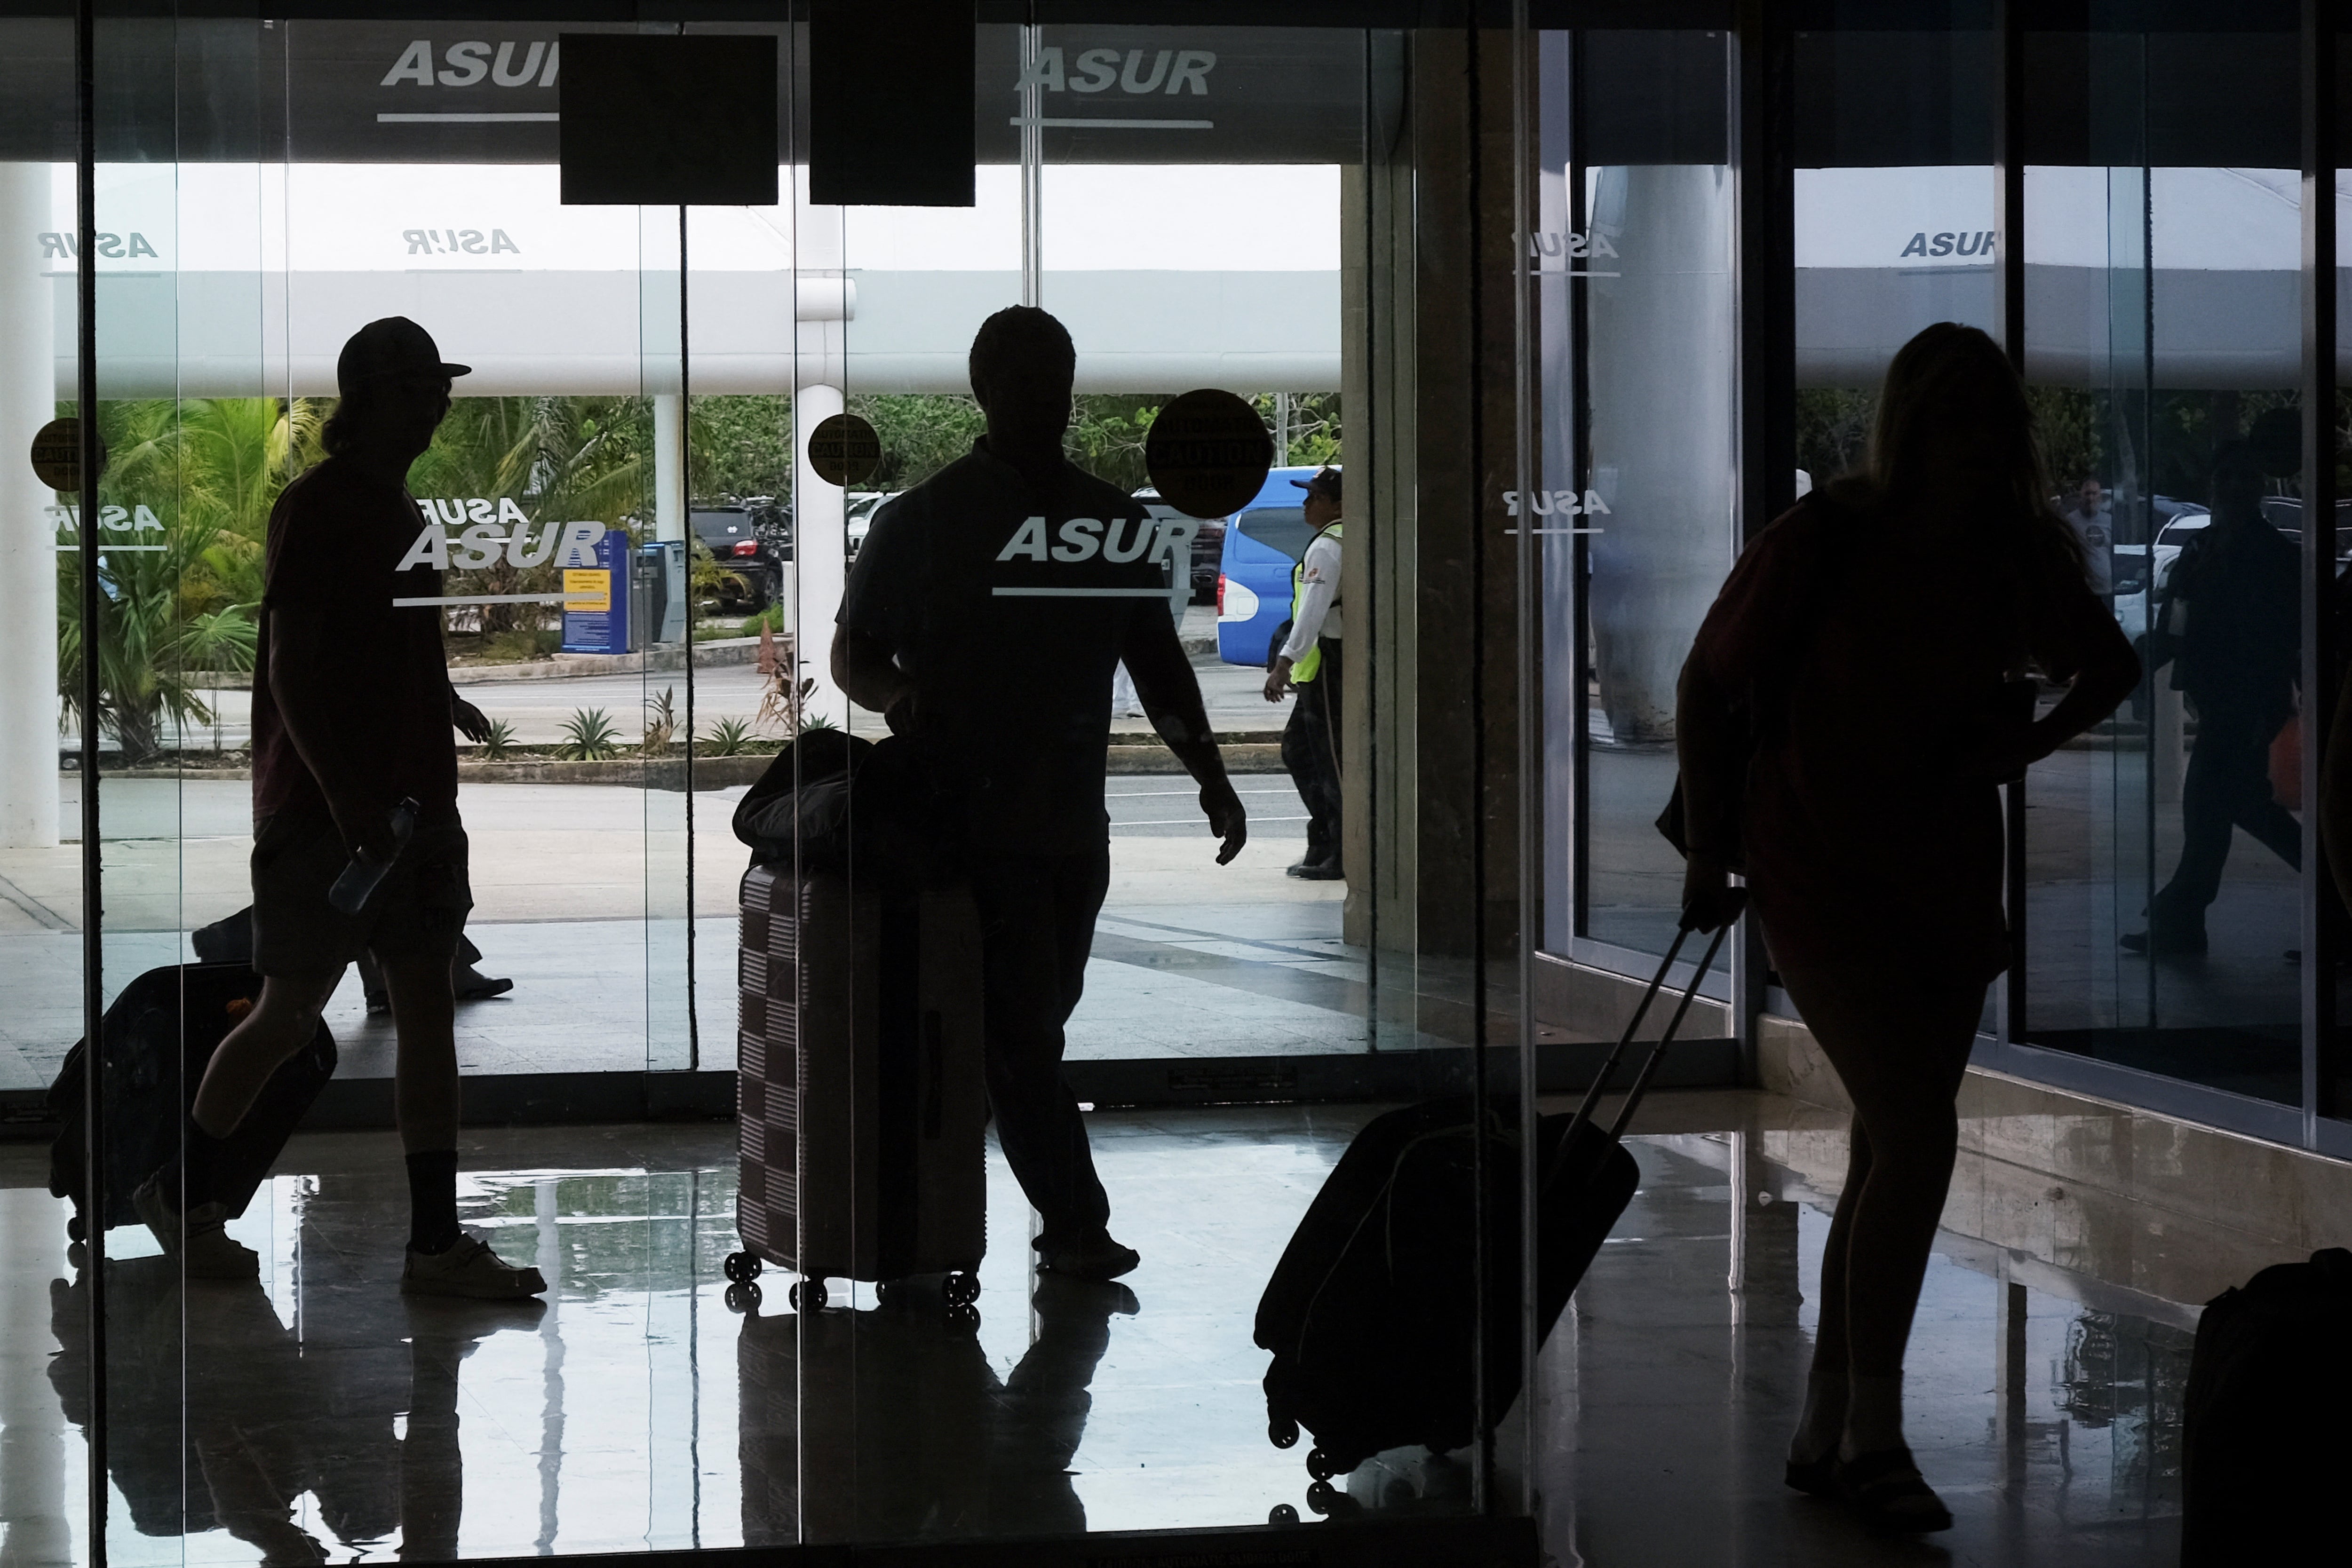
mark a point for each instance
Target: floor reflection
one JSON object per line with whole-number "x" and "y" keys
{"x": 329, "y": 1420}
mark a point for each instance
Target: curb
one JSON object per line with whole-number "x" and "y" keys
{"x": 714, "y": 654}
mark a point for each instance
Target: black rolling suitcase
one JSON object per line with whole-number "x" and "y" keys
{"x": 2263, "y": 1439}
{"x": 1370, "y": 1315}
{"x": 158, "y": 1036}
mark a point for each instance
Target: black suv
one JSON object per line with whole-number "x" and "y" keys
{"x": 751, "y": 540}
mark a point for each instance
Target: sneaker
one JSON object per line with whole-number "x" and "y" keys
{"x": 470, "y": 1269}
{"x": 1317, "y": 871}
{"x": 472, "y": 985}
{"x": 1095, "y": 1258}
{"x": 197, "y": 1240}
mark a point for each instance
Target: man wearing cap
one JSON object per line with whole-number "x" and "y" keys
{"x": 1309, "y": 665}
{"x": 352, "y": 716}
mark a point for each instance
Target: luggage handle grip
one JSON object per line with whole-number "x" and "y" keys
{"x": 1585, "y": 1112}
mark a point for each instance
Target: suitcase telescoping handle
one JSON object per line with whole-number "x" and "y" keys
{"x": 1584, "y": 1112}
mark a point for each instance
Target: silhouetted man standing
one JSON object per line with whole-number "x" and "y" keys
{"x": 988, "y": 608}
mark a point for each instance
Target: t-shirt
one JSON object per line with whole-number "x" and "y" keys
{"x": 1008, "y": 610}
{"x": 2098, "y": 546}
{"x": 1863, "y": 845}
{"x": 336, "y": 538}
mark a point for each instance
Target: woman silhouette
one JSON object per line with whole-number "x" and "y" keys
{"x": 1854, "y": 698}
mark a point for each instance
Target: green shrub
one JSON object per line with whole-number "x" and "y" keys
{"x": 589, "y": 736}
{"x": 500, "y": 742}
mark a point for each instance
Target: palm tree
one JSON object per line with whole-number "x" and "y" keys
{"x": 153, "y": 657}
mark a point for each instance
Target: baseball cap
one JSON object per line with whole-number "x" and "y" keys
{"x": 394, "y": 346}
{"x": 1325, "y": 483}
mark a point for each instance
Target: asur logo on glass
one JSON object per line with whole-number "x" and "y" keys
{"x": 472, "y": 62}
{"x": 485, "y": 537}
{"x": 1171, "y": 72}
{"x": 459, "y": 241}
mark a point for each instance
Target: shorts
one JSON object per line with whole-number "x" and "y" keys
{"x": 418, "y": 912}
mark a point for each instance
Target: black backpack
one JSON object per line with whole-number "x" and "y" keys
{"x": 830, "y": 802}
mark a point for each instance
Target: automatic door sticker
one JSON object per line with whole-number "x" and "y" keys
{"x": 843, "y": 449}
{"x": 1208, "y": 453}
{"x": 56, "y": 454}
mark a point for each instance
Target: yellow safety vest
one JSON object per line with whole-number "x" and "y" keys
{"x": 1312, "y": 660}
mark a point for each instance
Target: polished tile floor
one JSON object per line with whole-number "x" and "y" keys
{"x": 318, "y": 1416}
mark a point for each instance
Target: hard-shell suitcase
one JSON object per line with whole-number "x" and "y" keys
{"x": 1375, "y": 1337}
{"x": 158, "y": 1035}
{"x": 2263, "y": 1439}
{"x": 861, "y": 1102}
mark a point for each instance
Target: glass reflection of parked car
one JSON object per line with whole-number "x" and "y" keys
{"x": 859, "y": 508}
{"x": 1267, "y": 538}
{"x": 1208, "y": 545}
{"x": 751, "y": 540}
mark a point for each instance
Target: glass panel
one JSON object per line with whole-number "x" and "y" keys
{"x": 2162, "y": 850}
{"x": 1638, "y": 498}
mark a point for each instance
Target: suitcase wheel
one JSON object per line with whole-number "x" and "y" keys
{"x": 1282, "y": 1513}
{"x": 1320, "y": 1465}
{"x": 75, "y": 1229}
{"x": 806, "y": 1295}
{"x": 743, "y": 1297}
{"x": 960, "y": 1288}
{"x": 743, "y": 1267}
{"x": 963, "y": 1315}
{"x": 1283, "y": 1432}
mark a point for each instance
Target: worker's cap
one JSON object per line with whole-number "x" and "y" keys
{"x": 394, "y": 346}
{"x": 1326, "y": 484}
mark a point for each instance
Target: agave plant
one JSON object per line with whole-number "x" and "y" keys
{"x": 589, "y": 736}
{"x": 499, "y": 741}
{"x": 728, "y": 737}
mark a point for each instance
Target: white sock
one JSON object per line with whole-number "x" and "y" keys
{"x": 1874, "y": 1416}
{"x": 1823, "y": 1421}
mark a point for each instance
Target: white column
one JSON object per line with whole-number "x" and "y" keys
{"x": 669, "y": 466}
{"x": 1664, "y": 429}
{"x": 28, "y": 565}
{"x": 820, "y": 552}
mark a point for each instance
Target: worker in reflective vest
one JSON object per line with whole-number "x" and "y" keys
{"x": 1309, "y": 665}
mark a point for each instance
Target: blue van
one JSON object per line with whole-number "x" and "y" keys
{"x": 1263, "y": 541}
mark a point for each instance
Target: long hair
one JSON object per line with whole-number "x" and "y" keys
{"x": 1951, "y": 390}
{"x": 353, "y": 410}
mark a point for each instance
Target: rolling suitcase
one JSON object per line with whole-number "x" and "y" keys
{"x": 860, "y": 1100}
{"x": 1376, "y": 1340}
{"x": 158, "y": 1036}
{"x": 2263, "y": 1442}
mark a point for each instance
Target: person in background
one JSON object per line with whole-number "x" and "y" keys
{"x": 1851, "y": 768}
{"x": 1309, "y": 665}
{"x": 352, "y": 711}
{"x": 2230, "y": 627}
{"x": 2095, "y": 530}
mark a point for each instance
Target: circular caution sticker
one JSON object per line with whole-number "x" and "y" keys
{"x": 56, "y": 454}
{"x": 1208, "y": 453}
{"x": 844, "y": 449}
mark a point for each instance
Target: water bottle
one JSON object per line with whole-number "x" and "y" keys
{"x": 360, "y": 878}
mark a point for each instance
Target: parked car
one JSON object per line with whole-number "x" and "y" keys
{"x": 1264, "y": 542}
{"x": 1208, "y": 545}
{"x": 861, "y": 505}
{"x": 751, "y": 540}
